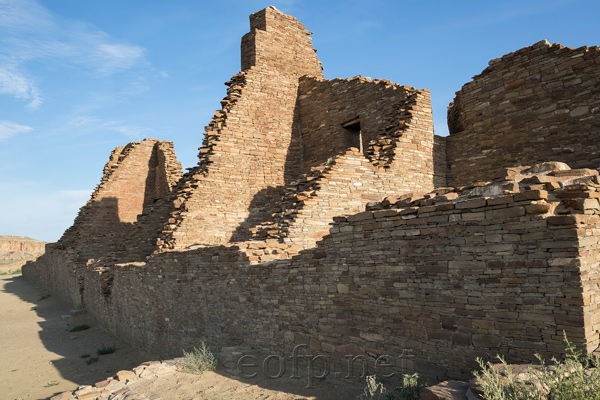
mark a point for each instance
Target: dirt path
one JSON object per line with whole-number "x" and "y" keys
{"x": 39, "y": 356}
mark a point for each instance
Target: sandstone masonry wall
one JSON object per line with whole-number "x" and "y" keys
{"x": 386, "y": 113}
{"x": 342, "y": 186}
{"x": 135, "y": 178}
{"x": 397, "y": 156}
{"x": 539, "y": 103}
{"x": 451, "y": 276}
{"x": 251, "y": 145}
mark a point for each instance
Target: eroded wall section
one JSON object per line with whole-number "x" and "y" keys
{"x": 396, "y": 156}
{"x": 537, "y": 104}
{"x": 251, "y": 145}
{"x": 135, "y": 178}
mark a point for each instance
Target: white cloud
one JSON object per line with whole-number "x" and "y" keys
{"x": 112, "y": 57}
{"x": 130, "y": 131}
{"x": 30, "y": 33}
{"x": 9, "y": 129}
{"x": 12, "y": 82}
{"x": 82, "y": 120}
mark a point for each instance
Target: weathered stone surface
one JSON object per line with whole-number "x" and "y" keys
{"x": 520, "y": 111}
{"x": 124, "y": 375}
{"x": 62, "y": 396}
{"x": 448, "y": 390}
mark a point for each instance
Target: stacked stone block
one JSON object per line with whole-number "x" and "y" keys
{"x": 251, "y": 144}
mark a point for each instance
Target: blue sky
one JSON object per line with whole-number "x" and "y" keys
{"x": 78, "y": 78}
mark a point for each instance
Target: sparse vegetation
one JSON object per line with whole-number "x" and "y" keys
{"x": 81, "y": 327}
{"x": 50, "y": 384}
{"x": 44, "y": 297}
{"x": 84, "y": 356}
{"x": 410, "y": 389}
{"x": 15, "y": 272}
{"x": 574, "y": 379}
{"x": 106, "y": 350}
{"x": 374, "y": 390}
{"x": 33, "y": 309}
{"x": 91, "y": 360}
{"x": 199, "y": 360}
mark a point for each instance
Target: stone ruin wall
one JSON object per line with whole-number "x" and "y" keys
{"x": 397, "y": 157}
{"x": 257, "y": 149}
{"x": 451, "y": 276}
{"x": 251, "y": 147}
{"x": 136, "y": 178}
{"x": 537, "y": 104}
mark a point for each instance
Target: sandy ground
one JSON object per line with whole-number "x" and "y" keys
{"x": 38, "y": 355}
{"x": 39, "y": 358}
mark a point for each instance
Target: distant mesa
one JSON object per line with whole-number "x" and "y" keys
{"x": 17, "y": 250}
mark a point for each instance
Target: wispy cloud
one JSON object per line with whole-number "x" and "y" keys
{"x": 30, "y": 33}
{"x": 130, "y": 131}
{"x": 9, "y": 129}
{"x": 82, "y": 121}
{"x": 13, "y": 82}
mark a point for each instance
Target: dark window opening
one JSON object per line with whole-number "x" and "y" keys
{"x": 352, "y": 134}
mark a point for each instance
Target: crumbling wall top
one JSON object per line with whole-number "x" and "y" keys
{"x": 280, "y": 43}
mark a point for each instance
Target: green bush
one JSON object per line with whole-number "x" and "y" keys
{"x": 573, "y": 379}
{"x": 199, "y": 360}
{"x": 106, "y": 350}
{"x": 91, "y": 360}
{"x": 78, "y": 328}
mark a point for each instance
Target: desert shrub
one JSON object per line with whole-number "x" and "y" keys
{"x": 374, "y": 390}
{"x": 91, "y": 360}
{"x": 81, "y": 327}
{"x": 106, "y": 350}
{"x": 573, "y": 379}
{"x": 199, "y": 360}
{"x": 409, "y": 390}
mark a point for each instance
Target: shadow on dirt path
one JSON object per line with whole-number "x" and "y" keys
{"x": 40, "y": 356}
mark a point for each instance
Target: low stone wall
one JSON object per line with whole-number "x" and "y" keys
{"x": 60, "y": 271}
